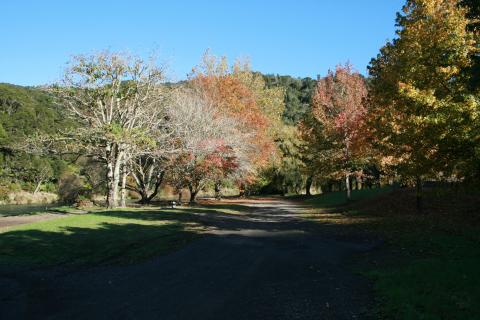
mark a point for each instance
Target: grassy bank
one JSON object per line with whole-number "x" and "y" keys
{"x": 28, "y": 198}
{"x": 428, "y": 267}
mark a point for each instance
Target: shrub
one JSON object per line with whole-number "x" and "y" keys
{"x": 4, "y": 191}
{"x": 15, "y": 187}
{"x": 49, "y": 187}
{"x": 71, "y": 187}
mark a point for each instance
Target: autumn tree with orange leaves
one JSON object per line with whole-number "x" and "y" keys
{"x": 237, "y": 92}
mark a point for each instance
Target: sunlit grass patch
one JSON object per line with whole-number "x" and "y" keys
{"x": 336, "y": 218}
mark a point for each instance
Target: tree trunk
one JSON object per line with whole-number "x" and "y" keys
{"x": 180, "y": 194}
{"x": 297, "y": 189}
{"x": 117, "y": 175}
{"x": 148, "y": 178}
{"x": 123, "y": 192}
{"x": 348, "y": 186}
{"x": 114, "y": 160}
{"x": 242, "y": 190}
{"x": 37, "y": 188}
{"x": 193, "y": 196}
{"x": 193, "y": 193}
{"x": 158, "y": 183}
{"x": 308, "y": 185}
{"x": 143, "y": 198}
{"x": 419, "y": 194}
{"x": 111, "y": 203}
{"x": 143, "y": 188}
{"x": 218, "y": 191}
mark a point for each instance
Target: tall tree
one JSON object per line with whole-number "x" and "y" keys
{"x": 117, "y": 99}
{"x": 421, "y": 113}
{"x": 210, "y": 144}
{"x": 241, "y": 94}
{"x": 338, "y": 105}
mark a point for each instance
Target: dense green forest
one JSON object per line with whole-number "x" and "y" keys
{"x": 298, "y": 95}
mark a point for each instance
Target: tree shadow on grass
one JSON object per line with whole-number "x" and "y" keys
{"x": 150, "y": 232}
{"x": 104, "y": 244}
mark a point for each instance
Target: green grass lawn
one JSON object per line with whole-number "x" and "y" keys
{"x": 119, "y": 236}
{"x": 429, "y": 265}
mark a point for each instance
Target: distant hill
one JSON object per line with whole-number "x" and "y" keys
{"x": 298, "y": 95}
{"x": 25, "y": 110}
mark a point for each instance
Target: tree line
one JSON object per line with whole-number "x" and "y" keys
{"x": 413, "y": 118}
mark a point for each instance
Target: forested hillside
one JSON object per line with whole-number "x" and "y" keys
{"x": 24, "y": 112}
{"x": 298, "y": 95}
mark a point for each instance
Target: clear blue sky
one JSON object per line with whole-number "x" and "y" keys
{"x": 299, "y": 38}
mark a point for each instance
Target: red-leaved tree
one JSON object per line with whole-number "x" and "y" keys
{"x": 338, "y": 106}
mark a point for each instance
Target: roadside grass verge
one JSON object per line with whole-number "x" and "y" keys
{"x": 429, "y": 266}
{"x": 335, "y": 199}
{"x": 102, "y": 236}
{"x": 224, "y": 206}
